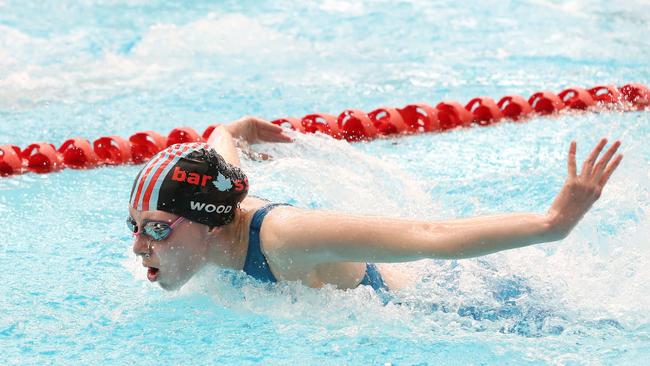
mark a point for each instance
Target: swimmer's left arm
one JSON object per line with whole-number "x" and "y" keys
{"x": 321, "y": 237}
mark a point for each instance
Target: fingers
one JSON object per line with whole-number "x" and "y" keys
{"x": 271, "y": 127}
{"x": 588, "y": 165}
{"x": 281, "y": 137}
{"x": 610, "y": 169}
{"x": 263, "y": 130}
{"x": 279, "y": 133}
{"x": 286, "y": 138}
{"x": 572, "y": 159}
{"x": 602, "y": 164}
{"x": 273, "y": 133}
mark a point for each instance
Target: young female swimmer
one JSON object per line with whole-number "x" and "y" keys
{"x": 189, "y": 208}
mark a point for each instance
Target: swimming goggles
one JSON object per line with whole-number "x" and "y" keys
{"x": 156, "y": 230}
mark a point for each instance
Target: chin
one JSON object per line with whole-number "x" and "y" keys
{"x": 172, "y": 281}
{"x": 168, "y": 287}
{"x": 172, "y": 286}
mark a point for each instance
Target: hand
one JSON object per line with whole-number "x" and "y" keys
{"x": 581, "y": 191}
{"x": 253, "y": 130}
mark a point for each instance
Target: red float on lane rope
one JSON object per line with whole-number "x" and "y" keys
{"x": 183, "y": 135}
{"x": 388, "y": 121}
{"x": 11, "y": 161}
{"x": 577, "y": 98}
{"x": 78, "y": 153}
{"x": 484, "y": 110}
{"x": 638, "y": 95}
{"x": 146, "y": 144}
{"x": 605, "y": 94}
{"x": 42, "y": 158}
{"x": 420, "y": 117}
{"x": 290, "y": 122}
{"x": 451, "y": 115}
{"x": 113, "y": 150}
{"x": 321, "y": 122}
{"x": 355, "y": 125}
{"x": 545, "y": 102}
{"x": 514, "y": 107}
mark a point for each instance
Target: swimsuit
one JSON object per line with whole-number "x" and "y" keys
{"x": 257, "y": 266}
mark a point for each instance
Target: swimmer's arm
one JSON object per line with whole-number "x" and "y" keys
{"x": 247, "y": 130}
{"x": 223, "y": 142}
{"x": 321, "y": 237}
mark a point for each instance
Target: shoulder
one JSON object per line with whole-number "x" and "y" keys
{"x": 290, "y": 231}
{"x": 281, "y": 218}
{"x": 321, "y": 234}
{"x": 280, "y": 225}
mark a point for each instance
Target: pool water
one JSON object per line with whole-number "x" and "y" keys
{"x": 71, "y": 291}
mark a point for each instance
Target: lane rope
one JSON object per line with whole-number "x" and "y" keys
{"x": 351, "y": 125}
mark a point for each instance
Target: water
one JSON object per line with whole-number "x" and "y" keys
{"x": 72, "y": 293}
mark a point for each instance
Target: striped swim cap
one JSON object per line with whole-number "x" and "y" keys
{"x": 190, "y": 180}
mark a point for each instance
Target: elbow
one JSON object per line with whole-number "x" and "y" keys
{"x": 438, "y": 242}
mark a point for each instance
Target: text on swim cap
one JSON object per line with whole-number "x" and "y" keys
{"x": 223, "y": 184}
{"x": 208, "y": 207}
{"x": 241, "y": 185}
{"x": 196, "y": 179}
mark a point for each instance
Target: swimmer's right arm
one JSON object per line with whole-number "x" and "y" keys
{"x": 321, "y": 237}
{"x": 248, "y": 129}
{"x": 222, "y": 141}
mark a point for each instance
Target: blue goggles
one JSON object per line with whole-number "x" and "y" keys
{"x": 156, "y": 230}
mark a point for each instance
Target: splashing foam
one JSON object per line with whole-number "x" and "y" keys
{"x": 165, "y": 52}
{"x": 533, "y": 291}
{"x": 320, "y": 172}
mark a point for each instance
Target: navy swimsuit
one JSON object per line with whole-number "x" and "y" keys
{"x": 257, "y": 267}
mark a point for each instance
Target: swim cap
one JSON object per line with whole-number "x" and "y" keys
{"x": 190, "y": 180}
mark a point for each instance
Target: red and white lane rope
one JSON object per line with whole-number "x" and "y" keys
{"x": 351, "y": 125}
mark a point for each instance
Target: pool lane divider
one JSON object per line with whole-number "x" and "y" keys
{"x": 351, "y": 125}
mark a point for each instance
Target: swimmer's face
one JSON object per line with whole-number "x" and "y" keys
{"x": 174, "y": 260}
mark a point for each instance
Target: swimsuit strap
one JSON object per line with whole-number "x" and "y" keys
{"x": 256, "y": 264}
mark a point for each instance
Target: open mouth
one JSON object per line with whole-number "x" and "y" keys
{"x": 152, "y": 274}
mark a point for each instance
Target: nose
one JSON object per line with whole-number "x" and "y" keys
{"x": 140, "y": 245}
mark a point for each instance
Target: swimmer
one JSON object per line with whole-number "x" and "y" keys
{"x": 189, "y": 208}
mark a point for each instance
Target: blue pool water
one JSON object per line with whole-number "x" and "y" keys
{"x": 71, "y": 291}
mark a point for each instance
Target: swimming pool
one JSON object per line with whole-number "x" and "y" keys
{"x": 72, "y": 292}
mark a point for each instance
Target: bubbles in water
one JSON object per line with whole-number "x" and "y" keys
{"x": 582, "y": 300}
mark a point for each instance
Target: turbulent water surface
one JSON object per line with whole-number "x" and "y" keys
{"x": 71, "y": 292}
